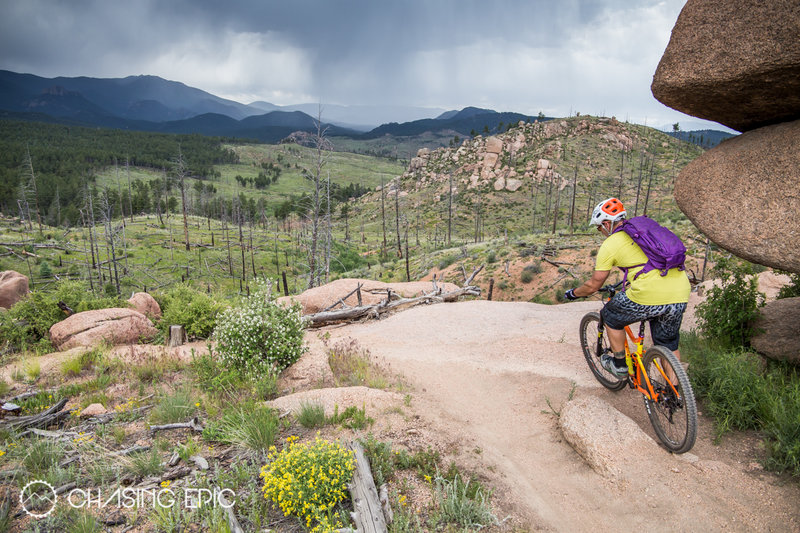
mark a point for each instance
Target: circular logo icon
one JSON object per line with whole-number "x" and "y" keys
{"x": 38, "y": 498}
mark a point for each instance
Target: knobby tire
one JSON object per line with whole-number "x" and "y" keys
{"x": 674, "y": 418}
{"x": 588, "y": 335}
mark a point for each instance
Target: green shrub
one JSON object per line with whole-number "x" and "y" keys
{"x": 792, "y": 290}
{"x": 455, "y": 506}
{"x": 382, "y": 460}
{"x": 446, "y": 261}
{"x": 194, "y": 310}
{"x": 346, "y": 258}
{"x": 727, "y": 313}
{"x": 260, "y": 336}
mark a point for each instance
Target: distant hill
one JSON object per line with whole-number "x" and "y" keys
{"x": 704, "y": 138}
{"x": 464, "y": 122}
{"x": 147, "y": 98}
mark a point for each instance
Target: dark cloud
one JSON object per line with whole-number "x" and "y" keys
{"x": 520, "y": 55}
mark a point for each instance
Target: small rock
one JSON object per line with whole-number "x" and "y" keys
{"x": 94, "y": 409}
{"x": 200, "y": 461}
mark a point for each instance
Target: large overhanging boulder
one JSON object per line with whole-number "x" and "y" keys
{"x": 736, "y": 62}
{"x": 113, "y": 325}
{"x": 745, "y": 195}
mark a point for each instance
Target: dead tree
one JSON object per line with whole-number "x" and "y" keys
{"x": 322, "y": 146}
{"x": 106, "y": 211}
{"x": 181, "y": 172}
{"x": 397, "y": 218}
{"x": 383, "y": 215}
{"x": 30, "y": 188}
{"x": 449, "y": 207}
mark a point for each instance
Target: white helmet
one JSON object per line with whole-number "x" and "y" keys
{"x": 610, "y": 209}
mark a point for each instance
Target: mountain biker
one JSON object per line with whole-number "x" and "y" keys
{"x": 661, "y": 300}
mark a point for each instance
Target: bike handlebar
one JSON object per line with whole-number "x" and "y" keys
{"x": 611, "y": 288}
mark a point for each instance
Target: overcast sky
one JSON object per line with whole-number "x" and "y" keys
{"x": 560, "y": 56}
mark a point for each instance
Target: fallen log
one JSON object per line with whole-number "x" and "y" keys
{"x": 230, "y": 515}
{"x": 41, "y": 420}
{"x": 367, "y": 511}
{"x": 374, "y": 311}
{"x": 193, "y": 424}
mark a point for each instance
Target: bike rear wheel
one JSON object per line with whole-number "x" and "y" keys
{"x": 674, "y": 417}
{"x": 589, "y": 329}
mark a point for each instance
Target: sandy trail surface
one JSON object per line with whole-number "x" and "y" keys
{"x": 488, "y": 376}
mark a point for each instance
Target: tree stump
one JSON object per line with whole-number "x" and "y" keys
{"x": 177, "y": 336}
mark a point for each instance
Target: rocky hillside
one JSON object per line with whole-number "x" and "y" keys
{"x": 535, "y": 177}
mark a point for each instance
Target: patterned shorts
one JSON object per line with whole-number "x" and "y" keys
{"x": 665, "y": 320}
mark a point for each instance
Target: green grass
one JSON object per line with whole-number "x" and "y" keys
{"x": 248, "y": 426}
{"x": 353, "y": 365}
{"x": 143, "y": 464}
{"x": 311, "y": 415}
{"x": 176, "y": 407}
{"x": 742, "y": 391}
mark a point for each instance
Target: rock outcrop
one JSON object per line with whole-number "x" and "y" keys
{"x": 745, "y": 195}
{"x": 114, "y": 325}
{"x": 602, "y": 435}
{"x": 735, "y": 62}
{"x": 738, "y": 63}
{"x": 145, "y": 304}
{"x": 13, "y": 288}
{"x": 776, "y": 330}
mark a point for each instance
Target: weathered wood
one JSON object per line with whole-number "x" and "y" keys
{"x": 193, "y": 424}
{"x": 177, "y": 336}
{"x": 343, "y": 298}
{"x": 41, "y": 420}
{"x": 472, "y": 276}
{"x": 383, "y": 496}
{"x": 367, "y": 513}
{"x": 233, "y": 523}
{"x": 128, "y": 451}
{"x": 353, "y": 313}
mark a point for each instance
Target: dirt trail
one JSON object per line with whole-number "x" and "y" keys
{"x": 483, "y": 373}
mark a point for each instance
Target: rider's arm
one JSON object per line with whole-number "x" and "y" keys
{"x": 595, "y": 282}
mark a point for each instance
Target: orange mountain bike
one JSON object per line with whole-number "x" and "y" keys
{"x": 656, "y": 373}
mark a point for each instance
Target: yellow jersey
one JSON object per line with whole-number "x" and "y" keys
{"x": 651, "y": 288}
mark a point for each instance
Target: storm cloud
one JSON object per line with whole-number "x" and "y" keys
{"x": 591, "y": 56}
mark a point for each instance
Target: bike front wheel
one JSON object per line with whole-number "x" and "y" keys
{"x": 589, "y": 335}
{"x": 672, "y": 411}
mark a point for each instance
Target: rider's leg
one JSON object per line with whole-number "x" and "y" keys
{"x": 616, "y": 337}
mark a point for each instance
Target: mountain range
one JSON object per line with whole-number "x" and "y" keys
{"x": 150, "y": 103}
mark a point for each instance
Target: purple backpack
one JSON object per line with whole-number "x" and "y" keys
{"x": 664, "y": 249}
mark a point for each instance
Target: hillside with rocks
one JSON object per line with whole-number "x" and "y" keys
{"x": 535, "y": 177}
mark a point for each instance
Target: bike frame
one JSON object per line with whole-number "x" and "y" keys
{"x": 637, "y": 375}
